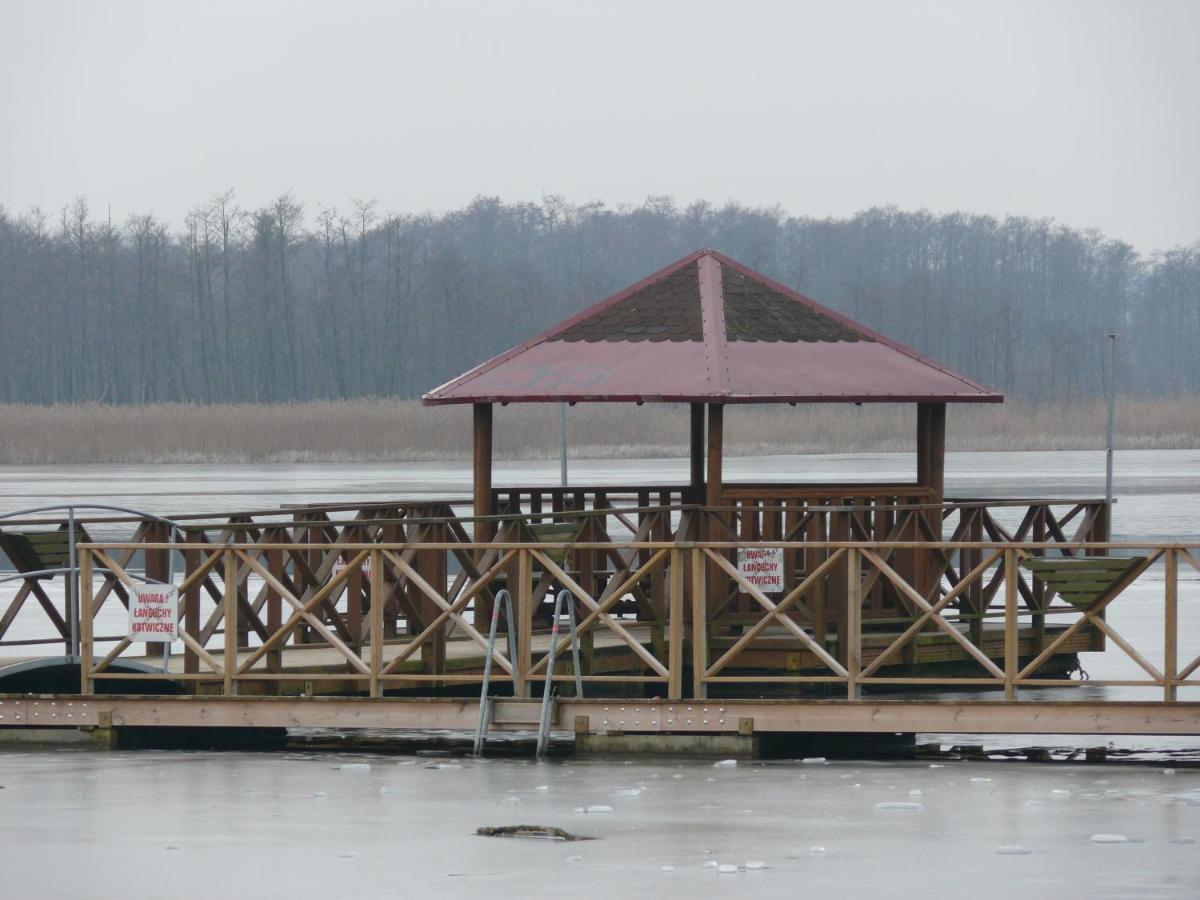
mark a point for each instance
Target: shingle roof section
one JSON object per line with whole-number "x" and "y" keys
{"x": 708, "y": 329}
{"x": 755, "y": 312}
{"x": 667, "y": 310}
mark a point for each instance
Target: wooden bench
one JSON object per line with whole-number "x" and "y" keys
{"x": 1082, "y": 580}
{"x": 34, "y": 551}
{"x": 564, "y": 533}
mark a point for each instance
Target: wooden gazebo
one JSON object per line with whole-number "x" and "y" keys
{"x": 709, "y": 331}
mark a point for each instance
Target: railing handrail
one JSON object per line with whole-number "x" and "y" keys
{"x": 650, "y": 545}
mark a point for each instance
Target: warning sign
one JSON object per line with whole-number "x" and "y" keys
{"x": 340, "y": 565}
{"x": 154, "y": 613}
{"x": 762, "y": 567}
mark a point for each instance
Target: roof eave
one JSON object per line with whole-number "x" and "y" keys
{"x": 989, "y": 397}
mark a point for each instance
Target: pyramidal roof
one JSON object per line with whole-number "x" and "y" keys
{"x": 707, "y": 328}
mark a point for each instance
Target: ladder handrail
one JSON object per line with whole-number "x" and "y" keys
{"x": 544, "y": 721}
{"x": 502, "y": 598}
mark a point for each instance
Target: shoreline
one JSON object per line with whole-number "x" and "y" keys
{"x": 391, "y": 431}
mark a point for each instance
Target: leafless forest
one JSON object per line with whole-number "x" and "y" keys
{"x": 386, "y": 430}
{"x": 293, "y": 302}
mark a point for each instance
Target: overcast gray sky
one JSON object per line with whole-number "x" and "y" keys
{"x": 1087, "y": 112}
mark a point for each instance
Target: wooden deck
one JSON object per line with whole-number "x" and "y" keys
{"x": 324, "y": 670}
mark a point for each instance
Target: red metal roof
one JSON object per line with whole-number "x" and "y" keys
{"x": 707, "y": 328}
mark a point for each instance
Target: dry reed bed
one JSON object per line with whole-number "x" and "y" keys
{"x": 389, "y": 430}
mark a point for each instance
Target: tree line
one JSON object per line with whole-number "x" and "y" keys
{"x": 285, "y": 303}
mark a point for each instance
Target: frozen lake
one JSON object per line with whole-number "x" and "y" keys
{"x": 195, "y": 824}
{"x": 211, "y": 824}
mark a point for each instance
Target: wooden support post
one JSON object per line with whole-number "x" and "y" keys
{"x": 482, "y": 484}
{"x": 376, "y": 613}
{"x": 1170, "y": 623}
{"x": 191, "y": 611}
{"x": 354, "y": 599}
{"x": 840, "y": 576}
{"x": 524, "y": 616}
{"x": 716, "y": 449}
{"x": 157, "y": 569}
{"x": 1038, "y": 621}
{"x": 697, "y": 452}
{"x": 275, "y": 607}
{"x": 392, "y": 534}
{"x": 231, "y": 617}
{"x": 431, "y": 565}
{"x": 931, "y": 448}
{"x": 85, "y": 622}
{"x": 483, "y": 469}
{"x": 853, "y": 630}
{"x": 699, "y": 625}
{"x": 1012, "y": 631}
{"x": 812, "y": 558}
{"x": 675, "y": 629}
{"x": 717, "y": 583}
{"x": 931, "y": 474}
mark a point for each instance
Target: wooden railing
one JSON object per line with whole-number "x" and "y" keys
{"x": 805, "y": 518}
{"x": 308, "y": 635}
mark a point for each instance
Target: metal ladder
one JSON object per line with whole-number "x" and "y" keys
{"x": 544, "y": 723}
{"x": 485, "y": 702}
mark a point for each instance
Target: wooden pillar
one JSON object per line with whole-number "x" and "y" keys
{"x": 716, "y": 442}
{"x": 697, "y": 454}
{"x": 275, "y": 566}
{"x": 483, "y": 469}
{"x": 718, "y": 583}
{"x": 158, "y": 567}
{"x": 931, "y": 474}
{"x": 431, "y": 566}
{"x": 931, "y": 447}
{"x": 482, "y": 483}
{"x": 191, "y": 611}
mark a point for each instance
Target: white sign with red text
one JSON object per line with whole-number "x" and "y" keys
{"x": 340, "y": 565}
{"x": 762, "y": 567}
{"x": 154, "y": 613}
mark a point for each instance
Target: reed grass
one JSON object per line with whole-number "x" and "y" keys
{"x": 390, "y": 430}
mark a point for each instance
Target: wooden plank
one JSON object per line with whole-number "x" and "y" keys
{"x": 675, "y": 628}
{"x": 229, "y": 664}
{"x": 697, "y": 451}
{"x": 778, "y": 716}
{"x": 376, "y": 618}
{"x": 854, "y": 602}
{"x": 699, "y": 624}
{"x": 1012, "y": 659}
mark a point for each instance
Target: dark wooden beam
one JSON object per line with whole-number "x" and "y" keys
{"x": 931, "y": 474}
{"x": 483, "y": 469}
{"x": 697, "y": 445}
{"x": 716, "y": 449}
{"x": 931, "y": 447}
